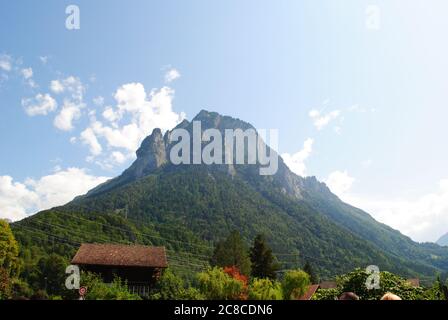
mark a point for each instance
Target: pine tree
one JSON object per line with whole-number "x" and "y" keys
{"x": 232, "y": 252}
{"x": 263, "y": 261}
{"x": 309, "y": 269}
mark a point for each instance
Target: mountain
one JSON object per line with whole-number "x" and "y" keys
{"x": 443, "y": 241}
{"x": 188, "y": 208}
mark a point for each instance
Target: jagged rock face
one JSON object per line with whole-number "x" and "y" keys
{"x": 155, "y": 150}
{"x": 150, "y": 156}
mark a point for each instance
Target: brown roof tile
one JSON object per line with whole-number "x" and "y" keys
{"x": 328, "y": 285}
{"x": 309, "y": 292}
{"x": 120, "y": 255}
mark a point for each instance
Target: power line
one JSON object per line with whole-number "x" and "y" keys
{"x": 137, "y": 232}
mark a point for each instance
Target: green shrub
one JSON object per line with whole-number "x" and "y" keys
{"x": 215, "y": 284}
{"x": 98, "y": 290}
{"x": 295, "y": 284}
{"x": 265, "y": 289}
{"x": 326, "y": 294}
{"x": 172, "y": 287}
{"x": 355, "y": 281}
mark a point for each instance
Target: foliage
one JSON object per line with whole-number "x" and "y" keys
{"x": 187, "y": 208}
{"x": 215, "y": 284}
{"x": 9, "y": 250}
{"x": 438, "y": 291}
{"x": 51, "y": 274}
{"x": 98, "y": 290}
{"x": 265, "y": 289}
{"x": 172, "y": 287}
{"x": 326, "y": 294}
{"x": 355, "y": 281}
{"x": 310, "y": 271}
{"x": 5, "y": 284}
{"x": 20, "y": 289}
{"x": 262, "y": 259}
{"x": 232, "y": 252}
{"x": 295, "y": 284}
{"x": 234, "y": 272}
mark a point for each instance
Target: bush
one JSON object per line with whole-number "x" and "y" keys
{"x": 355, "y": 281}
{"x": 215, "y": 284}
{"x": 295, "y": 284}
{"x": 98, "y": 290}
{"x": 265, "y": 289}
{"x": 5, "y": 285}
{"x": 21, "y": 289}
{"x": 326, "y": 294}
{"x": 172, "y": 287}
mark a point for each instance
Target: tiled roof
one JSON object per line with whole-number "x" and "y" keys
{"x": 120, "y": 255}
{"x": 328, "y": 285}
{"x": 309, "y": 292}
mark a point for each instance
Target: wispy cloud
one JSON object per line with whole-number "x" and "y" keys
{"x": 171, "y": 75}
{"x": 296, "y": 161}
{"x": 19, "y": 199}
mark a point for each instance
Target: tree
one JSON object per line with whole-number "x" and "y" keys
{"x": 5, "y": 284}
{"x": 263, "y": 264}
{"x": 235, "y": 273}
{"x": 295, "y": 284}
{"x": 232, "y": 252}
{"x": 9, "y": 261}
{"x": 355, "y": 281}
{"x": 215, "y": 284}
{"x": 171, "y": 287}
{"x": 265, "y": 289}
{"x": 309, "y": 269}
{"x": 98, "y": 290}
{"x": 9, "y": 250}
{"x": 52, "y": 274}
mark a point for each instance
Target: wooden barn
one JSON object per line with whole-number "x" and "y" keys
{"x": 139, "y": 265}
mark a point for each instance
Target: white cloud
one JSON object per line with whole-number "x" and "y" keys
{"x": 27, "y": 73}
{"x": 41, "y": 104}
{"x": 114, "y": 159}
{"x": 134, "y": 117}
{"x": 339, "y": 182}
{"x": 71, "y": 85}
{"x": 130, "y": 97}
{"x": 118, "y": 157}
{"x": 322, "y": 120}
{"x": 423, "y": 218}
{"x": 5, "y": 62}
{"x": 88, "y": 137}
{"x": 17, "y": 200}
{"x": 171, "y": 75}
{"x": 99, "y": 101}
{"x": 56, "y": 86}
{"x": 296, "y": 162}
{"x": 73, "y": 103}
{"x": 69, "y": 113}
{"x": 111, "y": 115}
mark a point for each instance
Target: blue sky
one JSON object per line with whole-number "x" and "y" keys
{"x": 356, "y": 88}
